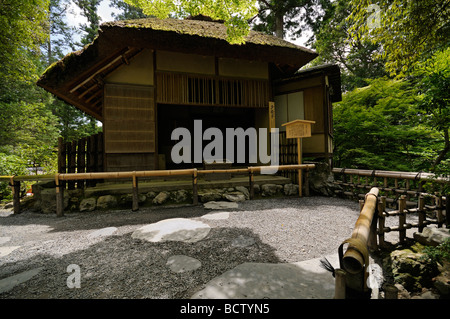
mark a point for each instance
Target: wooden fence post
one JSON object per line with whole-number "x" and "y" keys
{"x": 72, "y": 162}
{"x": 381, "y": 220}
{"x": 402, "y": 218}
{"x": 16, "y": 195}
{"x": 59, "y": 197}
{"x": 81, "y": 160}
{"x": 251, "y": 184}
{"x": 135, "y": 205}
{"x": 421, "y": 211}
{"x": 194, "y": 187}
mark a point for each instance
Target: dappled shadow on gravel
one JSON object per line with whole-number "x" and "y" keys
{"x": 122, "y": 267}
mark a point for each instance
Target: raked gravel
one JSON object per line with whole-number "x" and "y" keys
{"x": 117, "y": 266}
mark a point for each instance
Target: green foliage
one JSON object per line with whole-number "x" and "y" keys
{"x": 439, "y": 253}
{"x": 409, "y": 31}
{"x": 381, "y": 127}
{"x": 128, "y": 11}
{"x": 89, "y": 11}
{"x": 235, "y": 14}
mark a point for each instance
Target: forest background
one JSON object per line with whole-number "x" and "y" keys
{"x": 394, "y": 57}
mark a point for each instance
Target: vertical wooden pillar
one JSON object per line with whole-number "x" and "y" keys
{"x": 194, "y": 187}
{"x": 440, "y": 212}
{"x": 61, "y": 156}
{"x": 135, "y": 205}
{"x": 422, "y": 214}
{"x": 251, "y": 183}
{"x": 299, "y": 157}
{"x": 381, "y": 220}
{"x": 81, "y": 160}
{"x": 402, "y": 218}
{"x": 72, "y": 162}
{"x": 16, "y": 195}
{"x": 59, "y": 197}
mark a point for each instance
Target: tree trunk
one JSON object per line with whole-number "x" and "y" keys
{"x": 444, "y": 152}
{"x": 279, "y": 30}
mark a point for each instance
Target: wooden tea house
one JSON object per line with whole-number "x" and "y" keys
{"x": 143, "y": 78}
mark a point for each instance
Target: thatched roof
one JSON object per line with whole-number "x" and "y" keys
{"x": 80, "y": 73}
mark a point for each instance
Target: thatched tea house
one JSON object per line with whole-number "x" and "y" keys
{"x": 144, "y": 78}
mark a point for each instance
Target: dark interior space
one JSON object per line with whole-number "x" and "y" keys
{"x": 174, "y": 116}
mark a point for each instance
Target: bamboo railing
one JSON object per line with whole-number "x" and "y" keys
{"x": 402, "y": 191}
{"x": 135, "y": 175}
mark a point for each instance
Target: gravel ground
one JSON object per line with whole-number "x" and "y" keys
{"x": 118, "y": 266}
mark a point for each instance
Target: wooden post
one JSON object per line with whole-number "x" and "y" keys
{"x": 307, "y": 182}
{"x": 59, "y": 197}
{"x": 194, "y": 188}
{"x": 135, "y": 205}
{"x": 447, "y": 208}
{"x": 402, "y": 218}
{"x": 381, "y": 220}
{"x": 81, "y": 160}
{"x": 72, "y": 164}
{"x": 251, "y": 183}
{"x": 16, "y": 195}
{"x": 439, "y": 215}
{"x": 390, "y": 292}
{"x": 299, "y": 157}
{"x": 61, "y": 156}
{"x": 422, "y": 214}
{"x": 339, "y": 288}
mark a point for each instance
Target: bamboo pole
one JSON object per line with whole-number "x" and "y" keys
{"x": 299, "y": 171}
{"x": 354, "y": 259}
{"x": 135, "y": 194}
{"x": 339, "y": 288}
{"x": 402, "y": 218}
{"x": 381, "y": 220}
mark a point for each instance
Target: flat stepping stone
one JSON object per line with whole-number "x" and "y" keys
{"x": 173, "y": 229}
{"x": 6, "y": 250}
{"x": 220, "y": 205}
{"x": 242, "y": 241}
{"x": 302, "y": 280}
{"x": 4, "y": 240}
{"x": 103, "y": 232}
{"x": 9, "y": 283}
{"x": 182, "y": 263}
{"x": 217, "y": 216}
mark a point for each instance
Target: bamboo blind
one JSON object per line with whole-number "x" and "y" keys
{"x": 174, "y": 88}
{"x": 129, "y": 119}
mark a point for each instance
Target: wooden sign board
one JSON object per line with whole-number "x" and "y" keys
{"x": 271, "y": 115}
{"x": 298, "y": 128}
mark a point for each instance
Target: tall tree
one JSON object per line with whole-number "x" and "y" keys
{"x": 60, "y": 34}
{"x": 235, "y": 14}
{"x": 409, "y": 31}
{"x": 127, "y": 11}
{"x": 89, "y": 11}
{"x": 358, "y": 58}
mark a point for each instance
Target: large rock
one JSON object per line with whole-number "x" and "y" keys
{"x": 412, "y": 268}
{"x": 106, "y": 201}
{"x": 220, "y": 205}
{"x": 432, "y": 236}
{"x": 209, "y": 195}
{"x": 179, "y": 196}
{"x": 46, "y": 201}
{"x": 161, "y": 198}
{"x": 173, "y": 229}
{"x": 244, "y": 191}
{"x": 269, "y": 189}
{"x": 321, "y": 180}
{"x": 234, "y": 197}
{"x": 88, "y": 204}
{"x": 290, "y": 189}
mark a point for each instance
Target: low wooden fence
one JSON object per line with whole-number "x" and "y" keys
{"x": 402, "y": 191}
{"x": 81, "y": 156}
{"x": 61, "y": 179}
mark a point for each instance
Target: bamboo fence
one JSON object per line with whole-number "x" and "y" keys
{"x": 403, "y": 191}
{"x": 60, "y": 180}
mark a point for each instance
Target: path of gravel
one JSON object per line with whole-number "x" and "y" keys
{"x": 118, "y": 266}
